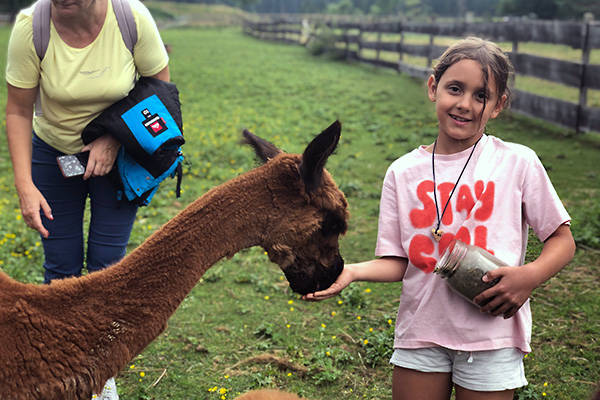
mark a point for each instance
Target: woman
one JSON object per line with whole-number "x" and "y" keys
{"x": 86, "y": 68}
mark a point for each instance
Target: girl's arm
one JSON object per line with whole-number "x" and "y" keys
{"x": 19, "y": 114}
{"x": 385, "y": 269}
{"x": 517, "y": 283}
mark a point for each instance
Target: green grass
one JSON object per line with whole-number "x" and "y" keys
{"x": 241, "y": 327}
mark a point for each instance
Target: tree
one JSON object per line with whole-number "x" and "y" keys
{"x": 544, "y": 9}
{"x": 13, "y": 7}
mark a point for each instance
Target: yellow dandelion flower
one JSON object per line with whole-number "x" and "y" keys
{"x": 333, "y": 313}
{"x": 367, "y": 290}
{"x": 323, "y": 325}
{"x": 291, "y": 308}
{"x": 340, "y": 302}
{"x": 226, "y": 376}
{"x": 366, "y": 341}
{"x": 359, "y": 318}
{"x": 328, "y": 354}
{"x": 289, "y": 374}
{"x": 544, "y": 394}
{"x": 390, "y": 321}
{"x": 142, "y": 374}
{"x": 545, "y": 383}
{"x": 334, "y": 337}
{"x": 290, "y": 301}
{"x": 222, "y": 391}
{"x": 267, "y": 297}
{"x": 370, "y": 329}
{"x": 288, "y": 326}
{"x": 132, "y": 366}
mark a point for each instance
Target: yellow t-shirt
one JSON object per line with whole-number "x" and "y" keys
{"x": 76, "y": 85}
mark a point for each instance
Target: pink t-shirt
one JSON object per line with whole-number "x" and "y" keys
{"x": 503, "y": 191}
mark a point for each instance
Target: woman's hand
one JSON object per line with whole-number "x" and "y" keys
{"x": 103, "y": 153}
{"x": 32, "y": 201}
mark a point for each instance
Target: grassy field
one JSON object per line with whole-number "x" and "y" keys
{"x": 241, "y": 327}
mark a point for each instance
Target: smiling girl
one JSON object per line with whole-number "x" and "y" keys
{"x": 486, "y": 192}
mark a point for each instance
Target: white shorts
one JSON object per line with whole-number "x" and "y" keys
{"x": 481, "y": 371}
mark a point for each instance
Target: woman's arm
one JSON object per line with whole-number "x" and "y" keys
{"x": 163, "y": 75}
{"x": 385, "y": 269}
{"x": 19, "y": 116}
{"x": 103, "y": 150}
{"x": 518, "y": 283}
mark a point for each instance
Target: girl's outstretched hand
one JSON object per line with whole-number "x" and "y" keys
{"x": 336, "y": 287}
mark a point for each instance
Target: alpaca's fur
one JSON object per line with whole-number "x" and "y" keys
{"x": 64, "y": 340}
{"x": 267, "y": 394}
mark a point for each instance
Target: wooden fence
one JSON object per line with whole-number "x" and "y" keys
{"x": 357, "y": 38}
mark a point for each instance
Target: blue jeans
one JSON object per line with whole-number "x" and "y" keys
{"x": 110, "y": 222}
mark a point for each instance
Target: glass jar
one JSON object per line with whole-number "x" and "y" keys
{"x": 463, "y": 266}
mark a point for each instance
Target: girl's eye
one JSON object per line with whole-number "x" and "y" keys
{"x": 481, "y": 96}
{"x": 454, "y": 89}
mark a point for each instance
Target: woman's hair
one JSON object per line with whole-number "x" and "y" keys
{"x": 485, "y": 53}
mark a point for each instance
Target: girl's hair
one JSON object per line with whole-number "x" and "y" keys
{"x": 487, "y": 54}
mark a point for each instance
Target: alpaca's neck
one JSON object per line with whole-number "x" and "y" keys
{"x": 147, "y": 286}
{"x": 227, "y": 219}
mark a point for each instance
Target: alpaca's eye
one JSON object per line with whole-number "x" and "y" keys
{"x": 333, "y": 225}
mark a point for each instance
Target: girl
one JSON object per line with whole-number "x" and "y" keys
{"x": 484, "y": 191}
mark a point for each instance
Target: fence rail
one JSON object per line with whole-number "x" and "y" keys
{"x": 349, "y": 34}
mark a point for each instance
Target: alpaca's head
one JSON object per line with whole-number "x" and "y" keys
{"x": 302, "y": 238}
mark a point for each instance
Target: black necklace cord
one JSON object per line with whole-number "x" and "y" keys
{"x": 437, "y": 212}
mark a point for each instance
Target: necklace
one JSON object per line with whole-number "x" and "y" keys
{"x": 437, "y": 232}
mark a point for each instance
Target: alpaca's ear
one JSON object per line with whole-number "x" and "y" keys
{"x": 264, "y": 149}
{"x": 316, "y": 154}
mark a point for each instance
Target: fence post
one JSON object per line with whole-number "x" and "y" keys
{"x": 378, "y": 25}
{"x": 514, "y": 50}
{"x": 430, "y": 52}
{"x": 585, "y": 59}
{"x": 400, "y": 48}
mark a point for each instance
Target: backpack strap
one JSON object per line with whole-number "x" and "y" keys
{"x": 41, "y": 25}
{"x": 126, "y": 22}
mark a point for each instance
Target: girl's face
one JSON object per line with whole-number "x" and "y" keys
{"x": 459, "y": 97}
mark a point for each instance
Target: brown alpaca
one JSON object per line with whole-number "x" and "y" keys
{"x": 267, "y": 394}
{"x": 64, "y": 340}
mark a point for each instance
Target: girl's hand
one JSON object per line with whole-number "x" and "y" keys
{"x": 103, "y": 153}
{"x": 32, "y": 201}
{"x": 509, "y": 294}
{"x": 336, "y": 287}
